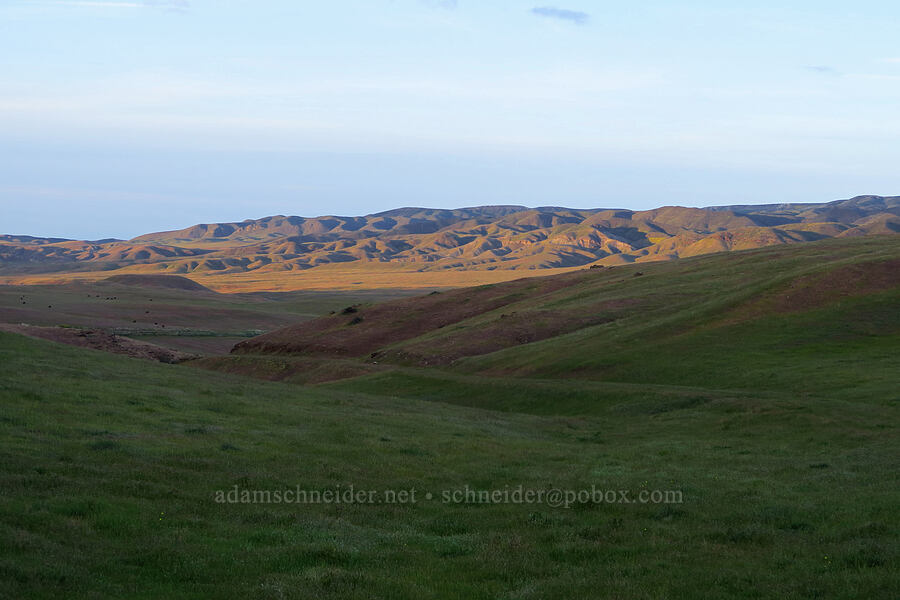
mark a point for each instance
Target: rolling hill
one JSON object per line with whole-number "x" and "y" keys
{"x": 760, "y": 387}
{"x": 802, "y": 318}
{"x": 483, "y": 239}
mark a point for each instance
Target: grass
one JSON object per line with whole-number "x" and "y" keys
{"x": 846, "y": 348}
{"x": 171, "y": 317}
{"x": 598, "y": 324}
{"x": 109, "y": 468}
{"x": 778, "y": 429}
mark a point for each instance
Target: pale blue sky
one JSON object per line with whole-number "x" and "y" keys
{"x": 118, "y": 118}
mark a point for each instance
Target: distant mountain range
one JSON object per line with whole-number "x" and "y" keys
{"x": 480, "y": 238}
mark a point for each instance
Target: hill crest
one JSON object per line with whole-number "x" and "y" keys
{"x": 484, "y": 238}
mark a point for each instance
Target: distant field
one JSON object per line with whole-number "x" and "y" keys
{"x": 325, "y": 279}
{"x": 183, "y": 319}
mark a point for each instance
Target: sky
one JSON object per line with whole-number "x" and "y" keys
{"x": 118, "y": 118}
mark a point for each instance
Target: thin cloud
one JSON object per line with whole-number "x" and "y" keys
{"x": 173, "y": 5}
{"x": 167, "y": 5}
{"x": 80, "y": 3}
{"x": 448, "y": 4}
{"x": 573, "y": 16}
{"x": 823, "y": 69}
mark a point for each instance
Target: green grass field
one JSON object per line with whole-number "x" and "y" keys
{"x": 777, "y": 427}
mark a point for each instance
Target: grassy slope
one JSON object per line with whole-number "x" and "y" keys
{"x": 108, "y": 468}
{"x": 790, "y": 321}
{"x": 780, "y": 430}
{"x": 814, "y": 319}
{"x": 193, "y": 321}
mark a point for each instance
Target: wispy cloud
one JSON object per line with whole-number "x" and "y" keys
{"x": 823, "y": 69}
{"x": 549, "y": 12}
{"x": 173, "y": 5}
{"x": 168, "y": 5}
{"x": 448, "y": 4}
{"x": 891, "y": 60}
{"x": 88, "y": 4}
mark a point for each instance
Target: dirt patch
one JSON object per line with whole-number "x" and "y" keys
{"x": 506, "y": 331}
{"x": 100, "y": 340}
{"x": 198, "y": 345}
{"x": 818, "y": 290}
{"x": 821, "y": 289}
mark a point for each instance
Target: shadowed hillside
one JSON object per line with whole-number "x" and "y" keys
{"x": 172, "y": 282}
